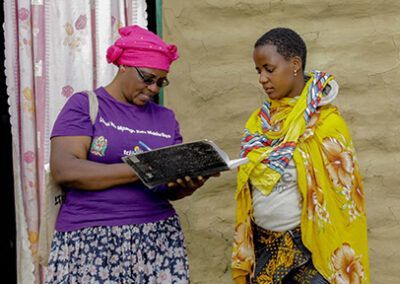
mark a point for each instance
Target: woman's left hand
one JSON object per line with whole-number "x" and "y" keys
{"x": 186, "y": 186}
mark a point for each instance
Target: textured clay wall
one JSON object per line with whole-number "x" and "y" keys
{"x": 214, "y": 89}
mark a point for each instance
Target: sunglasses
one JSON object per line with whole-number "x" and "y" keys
{"x": 149, "y": 80}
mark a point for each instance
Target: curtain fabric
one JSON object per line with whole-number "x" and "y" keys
{"x": 53, "y": 48}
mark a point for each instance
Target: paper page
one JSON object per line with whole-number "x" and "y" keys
{"x": 223, "y": 155}
{"x": 237, "y": 162}
{"x": 232, "y": 164}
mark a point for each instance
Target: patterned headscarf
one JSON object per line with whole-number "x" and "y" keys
{"x": 142, "y": 48}
{"x": 274, "y": 147}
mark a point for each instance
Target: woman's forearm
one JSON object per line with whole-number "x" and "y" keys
{"x": 88, "y": 175}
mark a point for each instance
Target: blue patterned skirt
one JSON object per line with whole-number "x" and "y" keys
{"x": 144, "y": 253}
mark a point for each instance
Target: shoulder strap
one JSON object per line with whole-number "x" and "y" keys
{"x": 93, "y": 106}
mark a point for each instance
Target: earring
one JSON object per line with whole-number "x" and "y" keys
{"x": 295, "y": 73}
{"x": 122, "y": 68}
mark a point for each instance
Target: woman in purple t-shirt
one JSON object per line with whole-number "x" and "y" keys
{"x": 111, "y": 228}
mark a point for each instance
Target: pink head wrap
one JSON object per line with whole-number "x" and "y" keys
{"x": 142, "y": 48}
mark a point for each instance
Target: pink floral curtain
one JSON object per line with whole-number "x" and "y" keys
{"x": 52, "y": 49}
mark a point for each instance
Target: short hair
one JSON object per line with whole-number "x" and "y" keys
{"x": 288, "y": 43}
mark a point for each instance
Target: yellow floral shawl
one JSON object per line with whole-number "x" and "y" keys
{"x": 333, "y": 221}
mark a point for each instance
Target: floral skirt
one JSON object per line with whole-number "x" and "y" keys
{"x": 282, "y": 258}
{"x": 145, "y": 253}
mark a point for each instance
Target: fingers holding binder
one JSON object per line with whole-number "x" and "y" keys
{"x": 186, "y": 186}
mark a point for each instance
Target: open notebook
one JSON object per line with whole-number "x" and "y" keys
{"x": 167, "y": 164}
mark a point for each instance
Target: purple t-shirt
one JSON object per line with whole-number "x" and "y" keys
{"x": 118, "y": 129}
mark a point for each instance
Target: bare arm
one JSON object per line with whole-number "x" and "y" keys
{"x": 70, "y": 167}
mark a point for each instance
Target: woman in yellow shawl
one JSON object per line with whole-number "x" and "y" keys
{"x": 300, "y": 214}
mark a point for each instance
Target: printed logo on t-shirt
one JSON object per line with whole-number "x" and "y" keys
{"x": 99, "y": 146}
{"x": 136, "y": 150}
{"x": 288, "y": 179}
